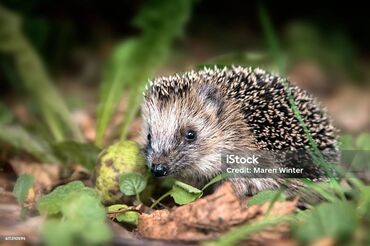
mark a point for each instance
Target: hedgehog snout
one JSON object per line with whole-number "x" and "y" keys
{"x": 159, "y": 170}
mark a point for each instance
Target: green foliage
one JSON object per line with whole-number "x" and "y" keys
{"x": 22, "y": 186}
{"x": 135, "y": 60}
{"x": 35, "y": 79}
{"x": 83, "y": 223}
{"x": 132, "y": 184}
{"x": 359, "y": 156}
{"x": 364, "y": 203}
{"x": 25, "y": 141}
{"x": 271, "y": 39}
{"x": 346, "y": 141}
{"x": 343, "y": 221}
{"x": 129, "y": 217}
{"x": 331, "y": 50}
{"x": 67, "y": 152}
{"x": 266, "y": 196}
{"x": 363, "y": 141}
{"x": 273, "y": 44}
{"x": 216, "y": 179}
{"x": 325, "y": 190}
{"x": 337, "y": 220}
{"x": 53, "y": 202}
{"x": 71, "y": 152}
{"x": 78, "y": 217}
{"x": 183, "y": 193}
{"x": 6, "y": 116}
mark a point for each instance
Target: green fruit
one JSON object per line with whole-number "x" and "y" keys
{"x": 118, "y": 159}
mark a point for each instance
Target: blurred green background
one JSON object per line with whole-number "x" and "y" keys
{"x": 74, "y": 70}
{"x": 72, "y": 73}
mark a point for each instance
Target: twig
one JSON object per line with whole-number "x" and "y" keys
{"x": 123, "y": 210}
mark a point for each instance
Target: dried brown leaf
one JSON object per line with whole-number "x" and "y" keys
{"x": 206, "y": 217}
{"x": 45, "y": 175}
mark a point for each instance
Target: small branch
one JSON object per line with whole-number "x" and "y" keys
{"x": 123, "y": 210}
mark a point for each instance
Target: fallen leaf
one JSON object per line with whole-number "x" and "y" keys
{"x": 207, "y": 217}
{"x": 45, "y": 174}
{"x": 327, "y": 241}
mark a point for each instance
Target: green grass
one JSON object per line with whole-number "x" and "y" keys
{"x": 35, "y": 79}
{"x": 132, "y": 63}
{"x": 135, "y": 61}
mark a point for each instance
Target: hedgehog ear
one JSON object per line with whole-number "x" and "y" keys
{"x": 211, "y": 96}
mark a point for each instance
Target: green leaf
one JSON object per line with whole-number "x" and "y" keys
{"x": 72, "y": 152}
{"x": 364, "y": 202}
{"x": 183, "y": 193}
{"x": 19, "y": 138}
{"x": 187, "y": 187}
{"x": 53, "y": 202}
{"x": 336, "y": 220}
{"x": 216, "y": 179}
{"x": 130, "y": 217}
{"x": 82, "y": 223}
{"x": 132, "y": 184}
{"x": 266, "y": 196}
{"x": 57, "y": 233}
{"x": 22, "y": 186}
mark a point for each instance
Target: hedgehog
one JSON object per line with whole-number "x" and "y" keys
{"x": 191, "y": 120}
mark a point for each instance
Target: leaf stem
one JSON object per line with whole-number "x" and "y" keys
{"x": 138, "y": 197}
{"x": 161, "y": 198}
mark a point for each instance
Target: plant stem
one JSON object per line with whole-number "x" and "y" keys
{"x": 138, "y": 197}
{"x": 161, "y": 198}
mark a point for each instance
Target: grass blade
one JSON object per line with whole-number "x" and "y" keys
{"x": 136, "y": 60}
{"x": 35, "y": 78}
{"x": 21, "y": 139}
{"x": 275, "y": 50}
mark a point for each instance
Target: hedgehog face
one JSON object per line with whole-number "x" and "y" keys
{"x": 182, "y": 135}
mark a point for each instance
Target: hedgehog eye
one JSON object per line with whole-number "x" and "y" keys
{"x": 190, "y": 135}
{"x": 149, "y": 137}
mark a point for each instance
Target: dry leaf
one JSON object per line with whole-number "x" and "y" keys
{"x": 327, "y": 241}
{"x": 206, "y": 217}
{"x": 45, "y": 175}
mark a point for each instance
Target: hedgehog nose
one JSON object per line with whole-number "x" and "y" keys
{"x": 159, "y": 170}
